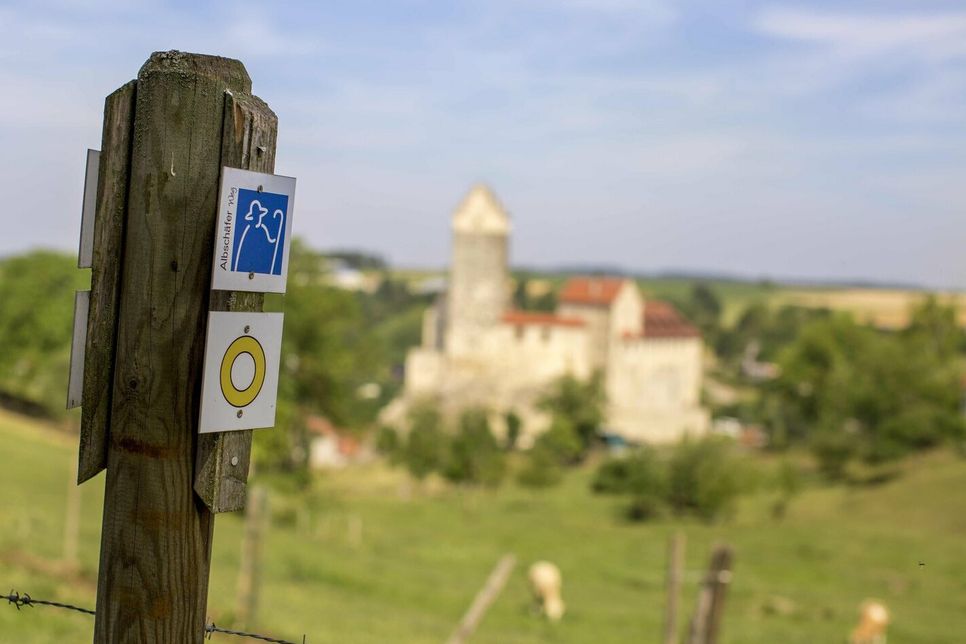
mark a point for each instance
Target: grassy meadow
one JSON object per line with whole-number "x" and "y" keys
{"x": 367, "y": 556}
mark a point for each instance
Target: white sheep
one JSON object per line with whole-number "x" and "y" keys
{"x": 872, "y": 624}
{"x": 545, "y": 582}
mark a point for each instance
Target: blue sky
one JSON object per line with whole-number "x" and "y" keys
{"x": 791, "y": 140}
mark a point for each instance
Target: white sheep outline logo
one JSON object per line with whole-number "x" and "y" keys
{"x": 260, "y": 224}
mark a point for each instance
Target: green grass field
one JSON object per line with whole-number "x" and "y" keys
{"x": 423, "y": 554}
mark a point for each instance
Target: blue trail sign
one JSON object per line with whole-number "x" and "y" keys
{"x": 254, "y": 229}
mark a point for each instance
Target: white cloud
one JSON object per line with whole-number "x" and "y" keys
{"x": 932, "y": 37}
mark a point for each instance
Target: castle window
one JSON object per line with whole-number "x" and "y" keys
{"x": 519, "y": 331}
{"x": 545, "y": 333}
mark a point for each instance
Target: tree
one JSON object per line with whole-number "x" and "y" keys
{"x": 388, "y": 443}
{"x": 701, "y": 478}
{"x": 641, "y": 476}
{"x": 854, "y": 391}
{"x": 513, "y": 426}
{"x": 36, "y": 311}
{"x": 703, "y": 308}
{"x": 577, "y": 403}
{"x": 523, "y": 300}
{"x": 474, "y": 455}
{"x": 541, "y": 468}
{"x": 425, "y": 445}
{"x": 704, "y": 478}
{"x": 326, "y": 355}
{"x": 562, "y": 442}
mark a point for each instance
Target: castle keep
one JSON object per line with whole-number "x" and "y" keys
{"x": 477, "y": 350}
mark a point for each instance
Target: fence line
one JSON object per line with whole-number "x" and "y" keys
{"x": 24, "y": 600}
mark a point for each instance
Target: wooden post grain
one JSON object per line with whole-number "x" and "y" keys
{"x": 156, "y": 534}
{"x": 481, "y": 603}
{"x": 109, "y": 224}
{"x": 675, "y": 572}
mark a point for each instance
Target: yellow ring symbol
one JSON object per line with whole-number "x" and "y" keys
{"x": 242, "y": 397}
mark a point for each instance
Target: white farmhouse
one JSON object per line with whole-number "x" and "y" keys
{"x": 477, "y": 350}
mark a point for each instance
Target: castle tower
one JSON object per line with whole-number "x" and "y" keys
{"x": 478, "y": 284}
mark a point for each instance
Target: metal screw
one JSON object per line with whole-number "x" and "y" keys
{"x": 234, "y": 460}
{"x": 239, "y": 414}
{"x": 247, "y": 328}
{"x": 260, "y": 188}
{"x": 251, "y": 276}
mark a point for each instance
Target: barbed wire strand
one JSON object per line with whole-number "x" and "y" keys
{"x": 18, "y": 600}
{"x": 212, "y": 628}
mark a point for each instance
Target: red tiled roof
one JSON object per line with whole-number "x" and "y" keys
{"x": 538, "y": 318}
{"x": 662, "y": 320}
{"x": 322, "y": 426}
{"x": 591, "y": 290}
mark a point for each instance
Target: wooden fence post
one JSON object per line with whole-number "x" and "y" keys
{"x": 706, "y": 624}
{"x": 168, "y": 146}
{"x": 675, "y": 571}
{"x": 256, "y": 515}
{"x": 72, "y": 515}
{"x": 487, "y": 595}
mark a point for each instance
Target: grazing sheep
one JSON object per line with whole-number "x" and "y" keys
{"x": 872, "y": 624}
{"x": 545, "y": 583}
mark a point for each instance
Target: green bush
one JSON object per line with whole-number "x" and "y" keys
{"x": 474, "y": 455}
{"x": 388, "y": 443}
{"x": 639, "y": 472}
{"x": 562, "y": 442}
{"x": 579, "y": 403}
{"x": 641, "y": 476}
{"x": 788, "y": 480}
{"x": 916, "y": 428}
{"x": 833, "y": 450}
{"x": 542, "y": 469}
{"x": 704, "y": 478}
{"x": 425, "y": 446}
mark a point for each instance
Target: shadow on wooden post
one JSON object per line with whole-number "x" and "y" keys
{"x": 675, "y": 573}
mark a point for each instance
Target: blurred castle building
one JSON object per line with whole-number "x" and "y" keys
{"x": 477, "y": 350}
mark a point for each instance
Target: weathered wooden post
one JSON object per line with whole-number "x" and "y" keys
{"x": 675, "y": 572}
{"x": 166, "y": 137}
{"x": 481, "y": 603}
{"x": 706, "y": 623}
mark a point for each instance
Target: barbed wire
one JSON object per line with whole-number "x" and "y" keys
{"x": 211, "y": 628}
{"x": 20, "y": 601}
{"x": 24, "y": 600}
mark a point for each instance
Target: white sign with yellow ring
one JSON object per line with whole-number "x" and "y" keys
{"x": 240, "y": 385}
